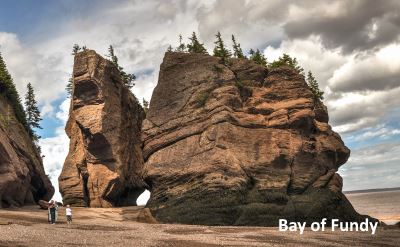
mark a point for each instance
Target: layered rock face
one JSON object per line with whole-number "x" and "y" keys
{"x": 22, "y": 176}
{"x": 239, "y": 145}
{"x": 104, "y": 164}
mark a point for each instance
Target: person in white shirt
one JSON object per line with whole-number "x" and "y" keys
{"x": 68, "y": 213}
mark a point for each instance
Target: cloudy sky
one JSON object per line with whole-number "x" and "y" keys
{"x": 353, "y": 48}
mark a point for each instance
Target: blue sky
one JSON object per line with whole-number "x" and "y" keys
{"x": 356, "y": 66}
{"x": 31, "y": 19}
{"x": 28, "y": 18}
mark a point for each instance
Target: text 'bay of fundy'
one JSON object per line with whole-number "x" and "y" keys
{"x": 335, "y": 225}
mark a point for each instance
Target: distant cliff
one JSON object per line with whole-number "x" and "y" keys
{"x": 22, "y": 177}
{"x": 104, "y": 163}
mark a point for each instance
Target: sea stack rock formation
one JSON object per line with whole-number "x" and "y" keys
{"x": 22, "y": 177}
{"x": 104, "y": 164}
{"x": 236, "y": 144}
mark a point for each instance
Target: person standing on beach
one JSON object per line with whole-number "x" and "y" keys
{"x": 68, "y": 213}
{"x": 52, "y": 212}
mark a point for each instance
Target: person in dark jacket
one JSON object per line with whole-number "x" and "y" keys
{"x": 52, "y": 211}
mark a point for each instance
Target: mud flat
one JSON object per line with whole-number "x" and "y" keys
{"x": 383, "y": 205}
{"x": 118, "y": 227}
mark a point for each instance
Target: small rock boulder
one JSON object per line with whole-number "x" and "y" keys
{"x": 43, "y": 204}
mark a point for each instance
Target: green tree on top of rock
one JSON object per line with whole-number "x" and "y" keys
{"x": 128, "y": 79}
{"x": 145, "y": 104}
{"x": 286, "y": 60}
{"x": 112, "y": 56}
{"x": 313, "y": 84}
{"x": 76, "y": 49}
{"x": 8, "y": 89}
{"x": 182, "y": 46}
{"x": 220, "y": 50}
{"x": 237, "y": 50}
{"x": 69, "y": 87}
{"x": 32, "y": 112}
{"x": 169, "y": 48}
{"x": 195, "y": 46}
{"x": 258, "y": 57}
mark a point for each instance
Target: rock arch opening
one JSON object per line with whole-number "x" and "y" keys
{"x": 143, "y": 198}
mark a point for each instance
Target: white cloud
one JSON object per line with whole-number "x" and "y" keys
{"x": 376, "y": 154}
{"x": 254, "y": 23}
{"x": 55, "y": 149}
{"x": 381, "y": 132}
{"x": 47, "y": 110}
{"x": 312, "y": 55}
{"x": 63, "y": 112}
{"x": 355, "y": 111}
{"x": 376, "y": 166}
{"x": 139, "y": 31}
{"x": 378, "y": 70}
{"x": 27, "y": 64}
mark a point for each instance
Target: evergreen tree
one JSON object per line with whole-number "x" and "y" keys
{"x": 32, "y": 112}
{"x": 112, "y": 56}
{"x": 195, "y": 46}
{"x": 69, "y": 87}
{"x": 145, "y": 105}
{"x": 8, "y": 89}
{"x": 237, "y": 50}
{"x": 220, "y": 49}
{"x": 258, "y": 57}
{"x": 169, "y": 48}
{"x": 286, "y": 60}
{"x": 75, "y": 49}
{"x": 251, "y": 52}
{"x": 313, "y": 84}
{"x": 182, "y": 46}
{"x": 128, "y": 79}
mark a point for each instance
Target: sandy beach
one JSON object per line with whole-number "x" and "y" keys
{"x": 117, "y": 226}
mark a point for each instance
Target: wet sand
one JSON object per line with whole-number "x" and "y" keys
{"x": 105, "y": 227}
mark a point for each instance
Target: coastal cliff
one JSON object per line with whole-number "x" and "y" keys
{"x": 236, "y": 144}
{"x": 22, "y": 177}
{"x": 223, "y": 143}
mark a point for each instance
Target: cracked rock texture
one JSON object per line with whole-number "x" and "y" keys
{"x": 239, "y": 145}
{"x": 22, "y": 177}
{"x": 104, "y": 164}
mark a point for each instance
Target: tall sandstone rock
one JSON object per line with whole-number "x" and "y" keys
{"x": 104, "y": 163}
{"x": 239, "y": 145}
{"x": 22, "y": 177}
